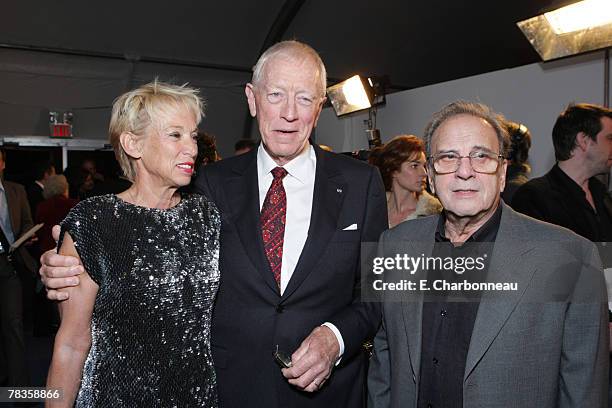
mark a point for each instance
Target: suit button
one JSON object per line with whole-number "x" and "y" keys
{"x": 435, "y": 360}
{"x": 443, "y": 313}
{"x": 280, "y": 308}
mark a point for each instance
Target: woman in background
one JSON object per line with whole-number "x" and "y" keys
{"x": 136, "y": 330}
{"x": 53, "y": 209}
{"x": 518, "y": 170}
{"x": 402, "y": 162}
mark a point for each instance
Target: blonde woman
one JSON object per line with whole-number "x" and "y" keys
{"x": 136, "y": 330}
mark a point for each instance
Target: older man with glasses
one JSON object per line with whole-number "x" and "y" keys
{"x": 509, "y": 312}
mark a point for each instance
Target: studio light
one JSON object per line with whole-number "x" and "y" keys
{"x": 351, "y": 95}
{"x": 580, "y": 16}
{"x": 358, "y": 93}
{"x": 574, "y": 29}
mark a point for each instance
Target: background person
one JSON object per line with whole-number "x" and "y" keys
{"x": 402, "y": 166}
{"x": 42, "y": 171}
{"x": 89, "y": 166}
{"x": 207, "y": 149}
{"x": 244, "y": 146}
{"x": 53, "y": 209}
{"x": 80, "y": 182}
{"x": 569, "y": 194}
{"x": 207, "y": 154}
{"x": 518, "y": 168}
{"x": 136, "y": 330}
{"x": 32, "y": 296}
{"x": 15, "y": 220}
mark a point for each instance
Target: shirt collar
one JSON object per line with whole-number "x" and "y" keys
{"x": 302, "y": 168}
{"x": 486, "y": 233}
{"x": 565, "y": 180}
{"x": 597, "y": 188}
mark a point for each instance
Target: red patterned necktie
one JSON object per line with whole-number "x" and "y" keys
{"x": 273, "y": 216}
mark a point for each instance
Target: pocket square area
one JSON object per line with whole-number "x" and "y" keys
{"x": 352, "y": 227}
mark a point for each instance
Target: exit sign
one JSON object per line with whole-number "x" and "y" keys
{"x": 61, "y": 130}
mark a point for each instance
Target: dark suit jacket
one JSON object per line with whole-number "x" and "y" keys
{"x": 557, "y": 199}
{"x": 21, "y": 221}
{"x": 35, "y": 196}
{"x": 251, "y": 318}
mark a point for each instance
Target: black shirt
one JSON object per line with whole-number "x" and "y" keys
{"x": 558, "y": 199}
{"x": 449, "y": 316}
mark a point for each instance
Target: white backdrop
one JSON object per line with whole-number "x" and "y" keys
{"x": 532, "y": 94}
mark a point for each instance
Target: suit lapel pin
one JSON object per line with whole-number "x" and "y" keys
{"x": 339, "y": 190}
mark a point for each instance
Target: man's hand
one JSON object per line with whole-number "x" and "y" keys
{"x": 313, "y": 361}
{"x": 59, "y": 271}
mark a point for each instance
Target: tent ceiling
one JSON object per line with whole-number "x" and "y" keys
{"x": 415, "y": 43}
{"x": 79, "y": 55}
{"x": 218, "y": 32}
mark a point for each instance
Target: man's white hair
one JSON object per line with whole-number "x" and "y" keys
{"x": 291, "y": 48}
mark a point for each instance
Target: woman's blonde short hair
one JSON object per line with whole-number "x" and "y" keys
{"x": 134, "y": 112}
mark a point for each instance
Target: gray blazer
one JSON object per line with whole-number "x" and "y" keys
{"x": 544, "y": 345}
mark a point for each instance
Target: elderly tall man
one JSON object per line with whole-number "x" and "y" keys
{"x": 294, "y": 218}
{"x": 529, "y": 329}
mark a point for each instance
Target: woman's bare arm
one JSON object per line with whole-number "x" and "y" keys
{"x": 73, "y": 340}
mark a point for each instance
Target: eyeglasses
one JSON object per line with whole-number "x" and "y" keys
{"x": 481, "y": 162}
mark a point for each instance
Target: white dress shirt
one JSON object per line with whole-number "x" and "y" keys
{"x": 299, "y": 189}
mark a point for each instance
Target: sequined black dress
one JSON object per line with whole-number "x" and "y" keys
{"x": 158, "y": 274}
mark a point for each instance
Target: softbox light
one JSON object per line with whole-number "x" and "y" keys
{"x": 351, "y": 95}
{"x": 574, "y": 29}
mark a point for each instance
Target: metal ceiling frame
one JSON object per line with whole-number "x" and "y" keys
{"x": 65, "y": 144}
{"x": 285, "y": 16}
{"x": 126, "y": 57}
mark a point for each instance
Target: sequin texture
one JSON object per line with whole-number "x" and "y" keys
{"x": 158, "y": 273}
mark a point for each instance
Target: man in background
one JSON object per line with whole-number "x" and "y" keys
{"x": 42, "y": 171}
{"x": 570, "y": 195}
{"x": 15, "y": 219}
